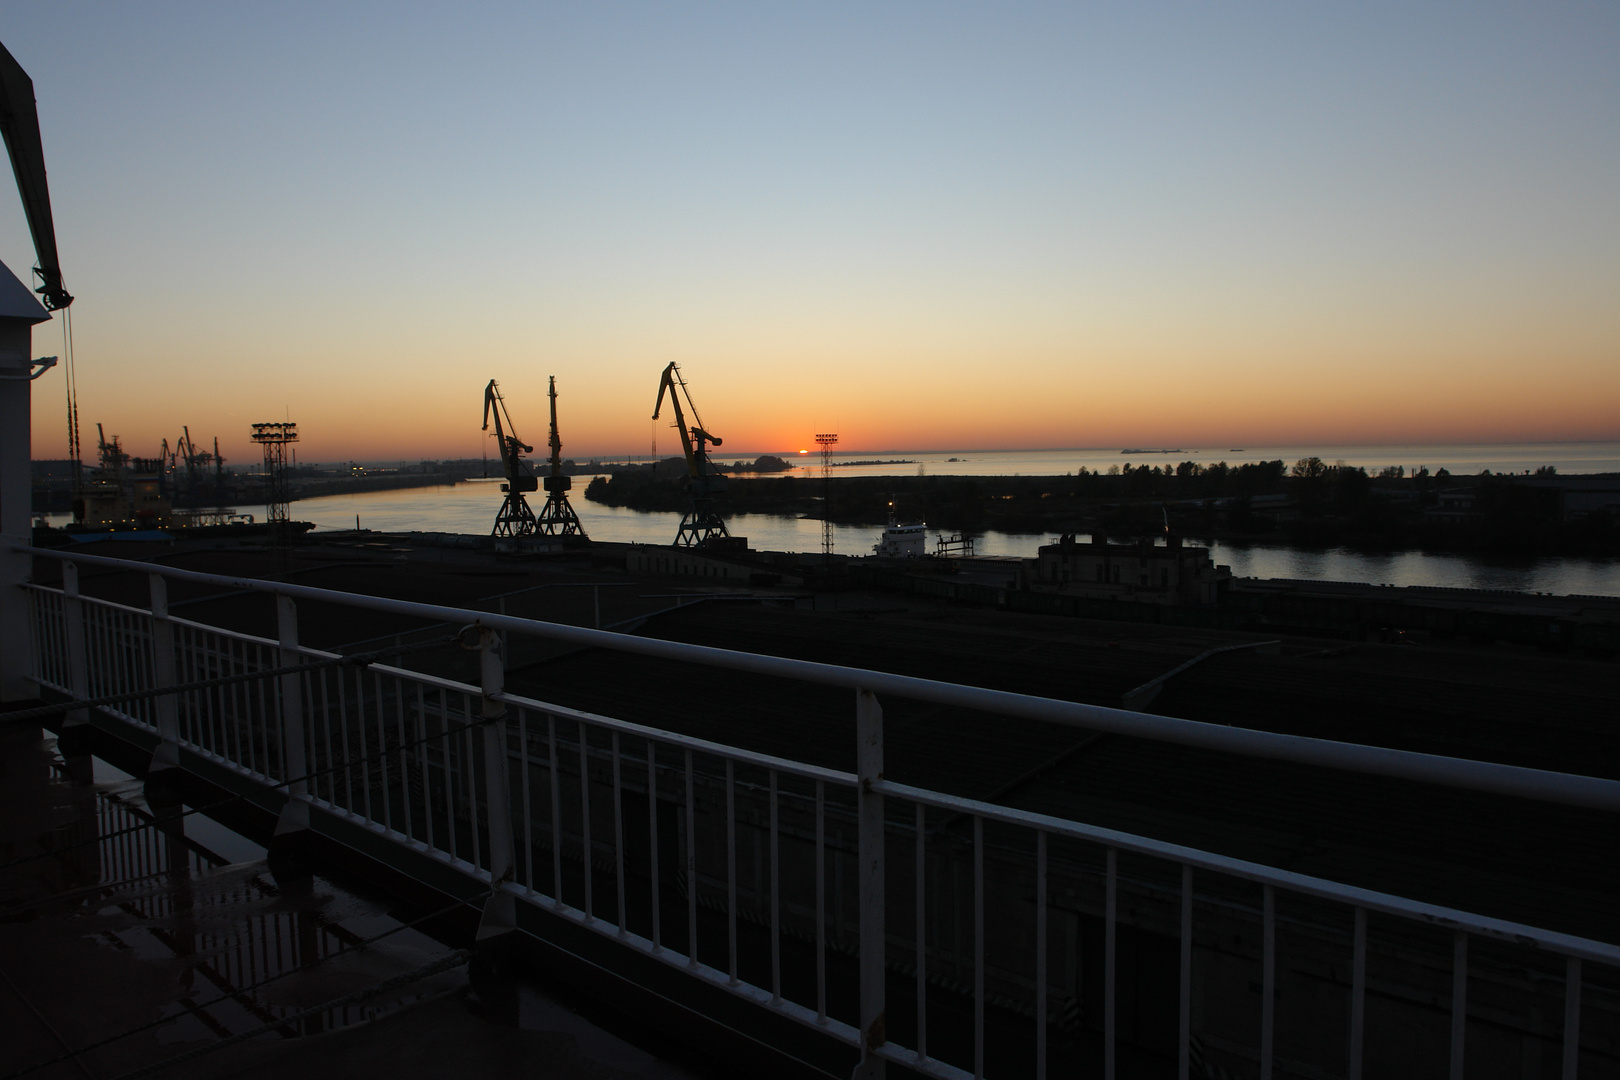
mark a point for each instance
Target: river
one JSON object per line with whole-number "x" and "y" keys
{"x": 470, "y": 508}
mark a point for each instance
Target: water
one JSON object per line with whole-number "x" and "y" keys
{"x": 1459, "y": 460}
{"x": 469, "y": 507}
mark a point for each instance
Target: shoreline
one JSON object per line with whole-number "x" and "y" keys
{"x": 1310, "y": 507}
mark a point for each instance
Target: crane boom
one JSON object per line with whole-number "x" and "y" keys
{"x": 512, "y": 448}
{"x": 515, "y": 519}
{"x": 19, "y": 123}
{"x": 671, "y": 374}
{"x": 701, "y": 526}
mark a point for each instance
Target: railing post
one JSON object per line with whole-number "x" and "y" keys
{"x": 500, "y": 912}
{"x": 16, "y": 640}
{"x": 73, "y": 618}
{"x": 869, "y": 881}
{"x": 167, "y": 754}
{"x": 505, "y": 653}
{"x": 288, "y": 853}
{"x": 17, "y": 660}
{"x": 76, "y": 723}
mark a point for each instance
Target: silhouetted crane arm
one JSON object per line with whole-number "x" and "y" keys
{"x": 668, "y": 382}
{"x": 19, "y": 122}
{"x": 511, "y": 446}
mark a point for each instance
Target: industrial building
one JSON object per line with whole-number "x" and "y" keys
{"x": 1143, "y": 572}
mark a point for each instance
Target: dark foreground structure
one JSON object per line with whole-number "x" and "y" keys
{"x": 821, "y": 834}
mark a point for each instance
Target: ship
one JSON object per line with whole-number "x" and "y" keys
{"x": 902, "y": 541}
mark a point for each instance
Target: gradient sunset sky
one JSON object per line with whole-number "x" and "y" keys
{"x": 921, "y": 225}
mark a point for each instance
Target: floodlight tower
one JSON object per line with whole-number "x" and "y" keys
{"x": 826, "y": 441}
{"x": 275, "y": 437}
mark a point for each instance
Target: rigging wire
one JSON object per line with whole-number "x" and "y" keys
{"x": 71, "y": 385}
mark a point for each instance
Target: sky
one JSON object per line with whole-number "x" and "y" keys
{"x": 920, "y": 225}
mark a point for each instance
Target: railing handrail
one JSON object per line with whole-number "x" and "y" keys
{"x": 1490, "y": 777}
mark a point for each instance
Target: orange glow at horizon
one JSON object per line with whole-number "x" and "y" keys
{"x": 1297, "y": 233}
{"x": 1138, "y": 397}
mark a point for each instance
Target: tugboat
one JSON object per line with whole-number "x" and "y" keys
{"x": 907, "y": 541}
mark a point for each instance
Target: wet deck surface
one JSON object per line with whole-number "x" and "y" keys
{"x": 136, "y": 935}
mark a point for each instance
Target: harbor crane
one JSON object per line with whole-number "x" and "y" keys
{"x": 557, "y": 517}
{"x": 19, "y": 123}
{"x": 515, "y": 518}
{"x": 187, "y": 452}
{"x": 701, "y": 527}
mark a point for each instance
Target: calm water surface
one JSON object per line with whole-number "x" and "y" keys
{"x": 470, "y": 508}
{"x": 1460, "y": 459}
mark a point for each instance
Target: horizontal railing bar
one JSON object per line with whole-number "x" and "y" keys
{"x": 209, "y": 628}
{"x": 438, "y": 682}
{"x": 1551, "y": 940}
{"x": 177, "y": 620}
{"x": 503, "y": 596}
{"x": 1588, "y": 791}
{"x": 629, "y": 727}
{"x": 690, "y": 742}
{"x": 96, "y": 601}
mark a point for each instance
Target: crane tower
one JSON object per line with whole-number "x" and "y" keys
{"x": 701, "y": 527}
{"x": 557, "y": 517}
{"x": 515, "y": 519}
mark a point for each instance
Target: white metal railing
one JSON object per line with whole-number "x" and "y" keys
{"x": 785, "y": 883}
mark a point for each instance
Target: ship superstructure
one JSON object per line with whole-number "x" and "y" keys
{"x": 907, "y": 540}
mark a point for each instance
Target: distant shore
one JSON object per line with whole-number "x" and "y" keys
{"x": 1307, "y": 504}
